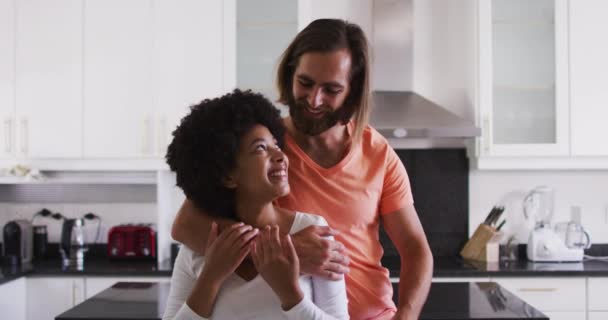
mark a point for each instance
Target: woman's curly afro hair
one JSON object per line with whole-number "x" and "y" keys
{"x": 206, "y": 143}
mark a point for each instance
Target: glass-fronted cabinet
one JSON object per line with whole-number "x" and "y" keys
{"x": 523, "y": 80}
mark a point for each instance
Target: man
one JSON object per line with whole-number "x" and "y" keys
{"x": 343, "y": 170}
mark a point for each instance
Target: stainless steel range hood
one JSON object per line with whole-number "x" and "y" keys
{"x": 400, "y": 114}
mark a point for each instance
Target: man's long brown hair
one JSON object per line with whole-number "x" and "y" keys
{"x": 329, "y": 35}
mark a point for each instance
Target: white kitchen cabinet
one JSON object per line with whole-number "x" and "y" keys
{"x": 597, "y": 288}
{"x": 567, "y": 315}
{"x": 118, "y": 86}
{"x": 12, "y": 299}
{"x": 94, "y": 285}
{"x": 523, "y": 78}
{"x": 596, "y": 316}
{"x": 553, "y": 295}
{"x": 193, "y": 60}
{"x": 143, "y": 71}
{"x": 7, "y": 78}
{"x": 48, "y": 114}
{"x": 48, "y": 297}
{"x": 462, "y": 279}
{"x": 588, "y": 78}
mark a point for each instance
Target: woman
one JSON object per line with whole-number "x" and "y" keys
{"x": 227, "y": 158}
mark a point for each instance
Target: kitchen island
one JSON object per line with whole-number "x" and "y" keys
{"x": 454, "y": 301}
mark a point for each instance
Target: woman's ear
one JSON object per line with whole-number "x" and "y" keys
{"x": 230, "y": 181}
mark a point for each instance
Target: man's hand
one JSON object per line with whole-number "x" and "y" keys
{"x": 318, "y": 255}
{"x": 404, "y": 315}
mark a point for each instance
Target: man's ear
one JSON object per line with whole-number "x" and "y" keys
{"x": 229, "y": 181}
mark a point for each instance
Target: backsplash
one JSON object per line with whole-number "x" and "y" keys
{"x": 440, "y": 184}
{"x": 587, "y": 189}
{"x": 111, "y": 214}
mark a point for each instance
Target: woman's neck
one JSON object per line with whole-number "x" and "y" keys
{"x": 260, "y": 215}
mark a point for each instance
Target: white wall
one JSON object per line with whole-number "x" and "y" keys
{"x": 587, "y": 189}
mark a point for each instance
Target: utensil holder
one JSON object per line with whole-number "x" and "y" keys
{"x": 483, "y": 245}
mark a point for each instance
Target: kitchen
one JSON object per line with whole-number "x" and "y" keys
{"x": 449, "y": 53}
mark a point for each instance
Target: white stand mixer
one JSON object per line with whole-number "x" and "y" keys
{"x": 545, "y": 244}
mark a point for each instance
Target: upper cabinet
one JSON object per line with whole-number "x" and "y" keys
{"x": 542, "y": 85}
{"x": 7, "y": 78}
{"x": 588, "y": 77}
{"x": 103, "y": 81}
{"x": 523, "y": 77}
{"x": 40, "y": 79}
{"x": 144, "y": 70}
{"x": 118, "y": 91}
{"x": 48, "y": 117}
{"x": 193, "y": 59}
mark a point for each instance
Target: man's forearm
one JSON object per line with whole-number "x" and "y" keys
{"x": 191, "y": 227}
{"x": 415, "y": 282}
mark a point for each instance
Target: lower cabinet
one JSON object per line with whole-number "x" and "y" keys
{"x": 13, "y": 308}
{"x": 94, "y": 285}
{"x": 567, "y": 316}
{"x": 597, "y": 289}
{"x": 48, "y": 297}
{"x": 463, "y": 279}
{"x": 559, "y": 298}
{"x": 597, "y": 316}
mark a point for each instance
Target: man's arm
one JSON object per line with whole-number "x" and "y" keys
{"x": 405, "y": 230}
{"x": 318, "y": 255}
{"x": 191, "y": 227}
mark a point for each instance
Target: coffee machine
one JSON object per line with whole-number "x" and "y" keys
{"x": 18, "y": 242}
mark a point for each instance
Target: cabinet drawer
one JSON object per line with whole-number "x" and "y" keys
{"x": 567, "y": 315}
{"x": 597, "y": 316}
{"x": 548, "y": 294}
{"x": 598, "y": 289}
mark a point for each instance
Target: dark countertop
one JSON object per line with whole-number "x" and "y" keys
{"x": 484, "y": 300}
{"x": 446, "y": 267}
{"x": 92, "y": 267}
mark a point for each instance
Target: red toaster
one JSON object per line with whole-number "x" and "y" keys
{"x": 132, "y": 241}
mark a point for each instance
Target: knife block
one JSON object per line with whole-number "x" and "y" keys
{"x": 483, "y": 245}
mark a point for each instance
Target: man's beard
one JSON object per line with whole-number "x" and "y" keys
{"x": 315, "y": 126}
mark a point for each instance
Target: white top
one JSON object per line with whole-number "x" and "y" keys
{"x": 239, "y": 299}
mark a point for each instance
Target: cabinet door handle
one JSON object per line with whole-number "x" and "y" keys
{"x": 8, "y": 135}
{"x": 147, "y": 144}
{"x": 538, "y": 289}
{"x": 24, "y": 136}
{"x": 488, "y": 135}
{"x": 162, "y": 142}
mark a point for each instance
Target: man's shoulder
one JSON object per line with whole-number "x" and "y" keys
{"x": 372, "y": 142}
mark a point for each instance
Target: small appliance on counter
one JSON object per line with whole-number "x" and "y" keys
{"x": 132, "y": 241}
{"x": 73, "y": 242}
{"x": 547, "y": 244}
{"x": 18, "y": 242}
{"x": 41, "y": 242}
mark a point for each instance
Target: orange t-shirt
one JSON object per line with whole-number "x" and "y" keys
{"x": 370, "y": 181}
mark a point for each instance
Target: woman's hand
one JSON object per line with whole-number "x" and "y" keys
{"x": 224, "y": 253}
{"x": 275, "y": 258}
